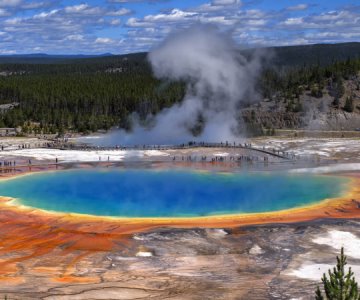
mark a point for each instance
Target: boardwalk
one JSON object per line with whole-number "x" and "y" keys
{"x": 272, "y": 152}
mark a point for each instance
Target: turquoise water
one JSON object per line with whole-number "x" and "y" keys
{"x": 153, "y": 193}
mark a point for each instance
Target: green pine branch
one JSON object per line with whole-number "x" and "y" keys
{"x": 339, "y": 285}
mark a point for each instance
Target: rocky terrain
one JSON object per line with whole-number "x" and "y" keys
{"x": 313, "y": 113}
{"x": 257, "y": 262}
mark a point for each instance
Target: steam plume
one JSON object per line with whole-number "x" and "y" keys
{"x": 220, "y": 80}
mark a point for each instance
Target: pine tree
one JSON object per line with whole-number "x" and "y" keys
{"x": 339, "y": 286}
{"x": 349, "y": 104}
{"x": 318, "y": 295}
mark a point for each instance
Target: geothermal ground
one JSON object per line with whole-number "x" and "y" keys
{"x": 47, "y": 257}
{"x": 260, "y": 262}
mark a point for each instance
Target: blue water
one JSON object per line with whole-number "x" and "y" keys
{"x": 153, "y": 193}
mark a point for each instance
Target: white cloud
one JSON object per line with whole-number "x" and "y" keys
{"x": 3, "y": 12}
{"x": 104, "y": 41}
{"x": 219, "y": 20}
{"x": 115, "y": 22}
{"x": 16, "y": 6}
{"x": 174, "y": 15}
{"x": 35, "y": 5}
{"x": 49, "y": 25}
{"x": 225, "y": 2}
{"x": 258, "y": 22}
{"x": 45, "y": 14}
{"x": 84, "y": 9}
{"x": 119, "y": 12}
{"x": 75, "y": 37}
{"x": 293, "y": 21}
{"x": 10, "y": 3}
{"x": 76, "y": 8}
{"x": 132, "y": 1}
{"x": 219, "y": 6}
{"x": 298, "y": 7}
{"x": 13, "y": 21}
{"x": 7, "y": 52}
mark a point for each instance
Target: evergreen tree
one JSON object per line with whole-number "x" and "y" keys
{"x": 349, "y": 104}
{"x": 336, "y": 102}
{"x": 339, "y": 89}
{"x": 339, "y": 285}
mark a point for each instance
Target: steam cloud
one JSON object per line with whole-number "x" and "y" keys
{"x": 219, "y": 81}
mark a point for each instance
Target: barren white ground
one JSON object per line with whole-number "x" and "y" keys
{"x": 345, "y": 152}
{"x": 333, "y": 240}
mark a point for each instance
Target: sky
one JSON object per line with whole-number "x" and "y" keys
{"x": 124, "y": 26}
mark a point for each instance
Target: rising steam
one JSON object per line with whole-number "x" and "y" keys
{"x": 219, "y": 81}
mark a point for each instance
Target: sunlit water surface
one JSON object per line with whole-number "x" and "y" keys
{"x": 166, "y": 193}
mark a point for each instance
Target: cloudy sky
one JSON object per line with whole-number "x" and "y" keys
{"x": 122, "y": 26}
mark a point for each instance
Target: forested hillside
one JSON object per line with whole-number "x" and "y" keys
{"x": 58, "y": 94}
{"x": 318, "y": 54}
{"x": 83, "y": 95}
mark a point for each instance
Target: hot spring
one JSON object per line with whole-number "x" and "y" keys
{"x": 168, "y": 193}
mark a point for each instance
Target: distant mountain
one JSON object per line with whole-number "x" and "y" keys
{"x": 288, "y": 56}
{"x": 281, "y": 57}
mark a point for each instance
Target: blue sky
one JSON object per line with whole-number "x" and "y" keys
{"x": 123, "y": 26}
